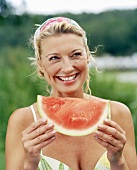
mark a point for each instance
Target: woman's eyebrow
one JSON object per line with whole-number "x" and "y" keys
{"x": 76, "y": 50}
{"x": 51, "y": 54}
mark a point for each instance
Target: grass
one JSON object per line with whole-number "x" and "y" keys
{"x": 2, "y": 160}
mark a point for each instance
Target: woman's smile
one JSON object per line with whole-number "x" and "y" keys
{"x": 67, "y": 78}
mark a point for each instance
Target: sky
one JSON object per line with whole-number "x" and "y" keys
{"x": 72, "y": 6}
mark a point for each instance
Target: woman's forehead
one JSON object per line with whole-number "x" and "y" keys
{"x": 62, "y": 41}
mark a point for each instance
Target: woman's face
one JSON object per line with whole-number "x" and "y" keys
{"x": 64, "y": 63}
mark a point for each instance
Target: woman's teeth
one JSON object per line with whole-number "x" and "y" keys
{"x": 67, "y": 78}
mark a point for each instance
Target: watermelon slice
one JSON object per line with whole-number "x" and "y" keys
{"x": 73, "y": 116}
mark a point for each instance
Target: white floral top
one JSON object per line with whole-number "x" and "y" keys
{"x": 47, "y": 163}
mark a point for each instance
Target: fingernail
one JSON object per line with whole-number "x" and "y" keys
{"x": 95, "y": 137}
{"x": 53, "y": 137}
{"x": 97, "y": 132}
{"x": 106, "y": 120}
{"x": 54, "y": 131}
{"x": 100, "y": 126}
{"x": 44, "y": 120}
{"x": 50, "y": 124}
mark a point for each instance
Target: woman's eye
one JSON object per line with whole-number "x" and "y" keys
{"x": 53, "y": 58}
{"x": 77, "y": 54}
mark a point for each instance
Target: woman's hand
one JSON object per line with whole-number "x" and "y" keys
{"x": 38, "y": 135}
{"x": 113, "y": 138}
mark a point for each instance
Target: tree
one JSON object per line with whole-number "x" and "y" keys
{"x": 5, "y": 8}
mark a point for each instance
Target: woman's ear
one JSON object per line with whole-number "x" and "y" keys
{"x": 88, "y": 58}
{"x": 40, "y": 68}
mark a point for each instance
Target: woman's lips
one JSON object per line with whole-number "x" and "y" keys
{"x": 67, "y": 78}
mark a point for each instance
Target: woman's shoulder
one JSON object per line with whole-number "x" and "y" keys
{"x": 121, "y": 114}
{"x": 21, "y": 117}
{"x": 118, "y": 109}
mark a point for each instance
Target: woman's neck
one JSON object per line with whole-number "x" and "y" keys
{"x": 73, "y": 95}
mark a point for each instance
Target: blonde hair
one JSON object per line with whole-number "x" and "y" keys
{"x": 56, "y": 29}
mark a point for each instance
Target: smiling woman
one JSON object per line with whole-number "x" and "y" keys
{"x": 62, "y": 56}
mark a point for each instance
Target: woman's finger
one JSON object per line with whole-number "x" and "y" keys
{"x": 114, "y": 125}
{"x": 39, "y": 131}
{"x": 42, "y": 138}
{"x": 34, "y": 126}
{"x": 103, "y": 142}
{"x": 111, "y": 136}
{"x": 111, "y": 132}
{"x": 106, "y": 138}
{"x": 34, "y": 150}
{"x": 35, "y": 145}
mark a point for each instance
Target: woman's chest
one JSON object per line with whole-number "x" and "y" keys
{"x": 79, "y": 153}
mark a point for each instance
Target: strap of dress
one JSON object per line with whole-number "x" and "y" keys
{"x": 109, "y": 114}
{"x": 33, "y": 113}
{"x": 35, "y": 118}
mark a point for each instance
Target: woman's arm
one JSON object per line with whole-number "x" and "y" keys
{"x": 25, "y": 139}
{"x": 15, "y": 154}
{"x": 117, "y": 137}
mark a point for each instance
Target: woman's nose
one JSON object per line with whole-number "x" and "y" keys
{"x": 67, "y": 66}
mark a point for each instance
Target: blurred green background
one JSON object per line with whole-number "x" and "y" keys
{"x": 19, "y": 84}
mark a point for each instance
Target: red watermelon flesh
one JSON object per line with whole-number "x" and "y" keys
{"x": 73, "y": 116}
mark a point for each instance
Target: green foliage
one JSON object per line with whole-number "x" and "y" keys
{"x": 2, "y": 160}
{"x": 115, "y": 30}
{"x": 5, "y": 8}
{"x": 16, "y": 83}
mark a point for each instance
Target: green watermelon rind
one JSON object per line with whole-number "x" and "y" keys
{"x": 71, "y": 132}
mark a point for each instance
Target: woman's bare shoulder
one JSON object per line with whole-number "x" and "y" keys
{"x": 21, "y": 118}
{"x": 119, "y": 110}
{"x": 121, "y": 114}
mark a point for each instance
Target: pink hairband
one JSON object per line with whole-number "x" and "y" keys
{"x": 51, "y": 22}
